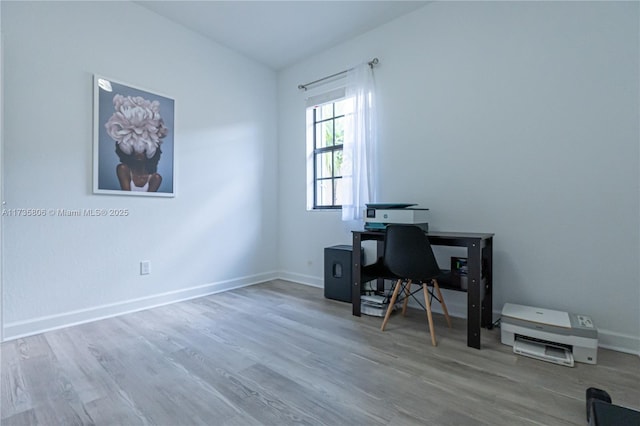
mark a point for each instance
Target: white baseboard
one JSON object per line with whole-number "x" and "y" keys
{"x": 302, "y": 279}
{"x": 18, "y": 329}
{"x": 619, "y": 342}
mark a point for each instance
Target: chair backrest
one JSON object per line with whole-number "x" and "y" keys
{"x": 408, "y": 253}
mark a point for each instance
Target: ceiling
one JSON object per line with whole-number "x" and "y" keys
{"x": 281, "y": 33}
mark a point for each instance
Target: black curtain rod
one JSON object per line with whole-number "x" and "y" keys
{"x": 371, "y": 63}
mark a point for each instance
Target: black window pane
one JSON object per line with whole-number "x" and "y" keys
{"x": 339, "y": 128}
{"x": 324, "y": 166}
{"x": 324, "y": 134}
{"x": 324, "y": 193}
{"x": 337, "y": 163}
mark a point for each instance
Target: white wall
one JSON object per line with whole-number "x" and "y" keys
{"x": 1, "y": 164}
{"x": 518, "y": 118}
{"x": 220, "y": 229}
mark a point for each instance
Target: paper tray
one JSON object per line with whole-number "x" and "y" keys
{"x": 543, "y": 351}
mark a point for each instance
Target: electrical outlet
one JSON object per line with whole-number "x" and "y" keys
{"x": 145, "y": 267}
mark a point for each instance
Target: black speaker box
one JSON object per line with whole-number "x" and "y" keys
{"x": 338, "y": 265}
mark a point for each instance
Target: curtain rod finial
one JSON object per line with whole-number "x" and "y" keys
{"x": 302, "y": 86}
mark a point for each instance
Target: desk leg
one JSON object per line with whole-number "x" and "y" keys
{"x": 380, "y": 253}
{"x": 474, "y": 293}
{"x": 487, "y": 273}
{"x": 356, "y": 273}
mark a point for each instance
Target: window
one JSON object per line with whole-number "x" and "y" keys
{"x": 341, "y": 143}
{"x": 325, "y": 138}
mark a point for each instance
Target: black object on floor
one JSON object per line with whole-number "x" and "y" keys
{"x": 337, "y": 272}
{"x": 601, "y": 412}
{"x": 595, "y": 394}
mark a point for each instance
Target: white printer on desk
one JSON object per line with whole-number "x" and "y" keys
{"x": 378, "y": 216}
{"x": 549, "y": 335}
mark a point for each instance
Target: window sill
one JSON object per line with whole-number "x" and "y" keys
{"x": 325, "y": 210}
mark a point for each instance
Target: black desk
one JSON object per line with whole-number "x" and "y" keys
{"x": 479, "y": 263}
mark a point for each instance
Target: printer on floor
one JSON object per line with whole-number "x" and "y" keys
{"x": 549, "y": 335}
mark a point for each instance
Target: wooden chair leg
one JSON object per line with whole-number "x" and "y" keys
{"x": 394, "y": 296}
{"x": 429, "y": 316}
{"x": 444, "y": 305}
{"x": 407, "y": 291}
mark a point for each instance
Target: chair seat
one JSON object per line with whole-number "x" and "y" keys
{"x": 379, "y": 270}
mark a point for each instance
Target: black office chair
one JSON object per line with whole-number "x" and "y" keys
{"x": 409, "y": 258}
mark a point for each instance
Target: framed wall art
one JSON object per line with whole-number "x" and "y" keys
{"x": 133, "y": 141}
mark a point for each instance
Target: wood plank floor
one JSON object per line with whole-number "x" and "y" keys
{"x": 279, "y": 353}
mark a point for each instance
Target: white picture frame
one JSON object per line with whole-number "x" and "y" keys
{"x": 133, "y": 140}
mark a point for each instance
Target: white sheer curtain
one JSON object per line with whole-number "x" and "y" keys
{"x": 360, "y": 140}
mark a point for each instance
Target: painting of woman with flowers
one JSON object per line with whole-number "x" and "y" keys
{"x": 133, "y": 141}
